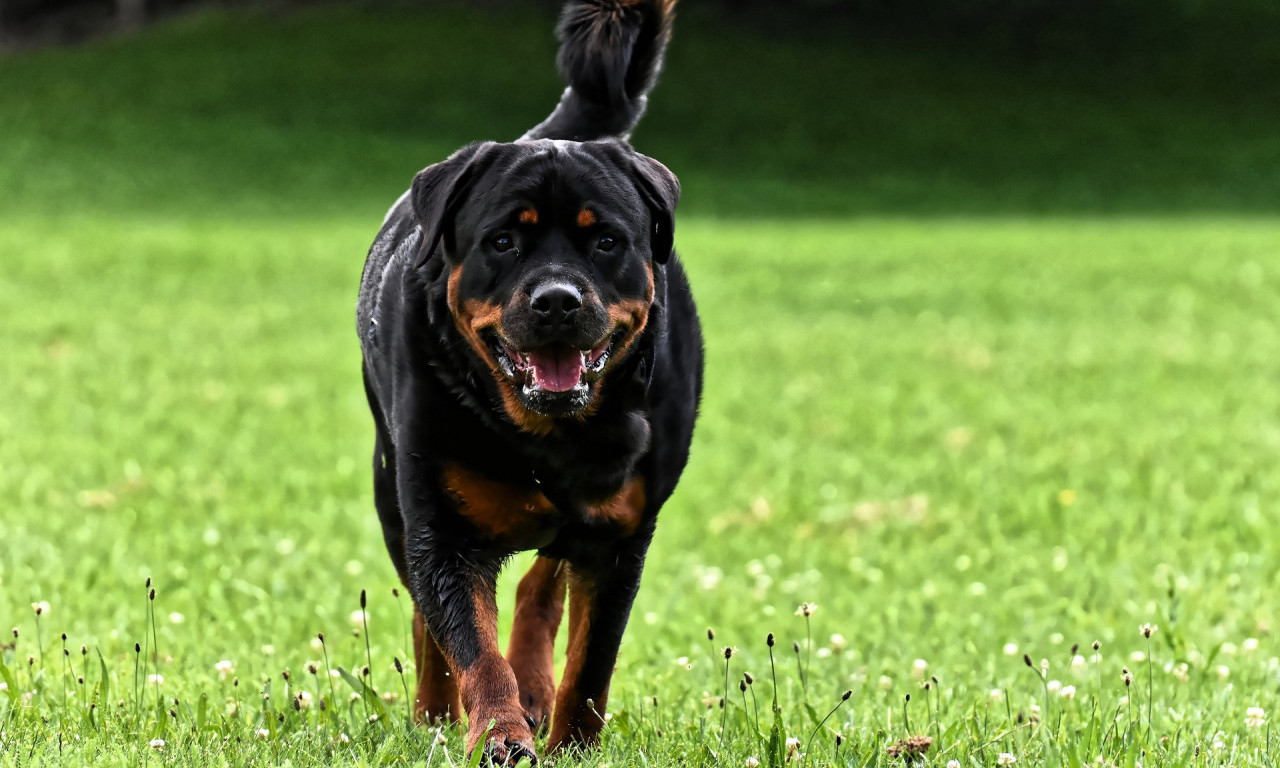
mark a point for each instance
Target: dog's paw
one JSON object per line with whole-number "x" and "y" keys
{"x": 506, "y": 742}
{"x": 537, "y": 696}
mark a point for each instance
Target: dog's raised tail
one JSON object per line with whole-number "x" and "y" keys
{"x": 610, "y": 54}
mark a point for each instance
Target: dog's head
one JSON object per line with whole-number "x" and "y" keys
{"x": 551, "y": 248}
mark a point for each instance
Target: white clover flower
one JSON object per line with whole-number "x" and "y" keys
{"x": 262, "y": 733}
{"x": 344, "y": 738}
{"x": 3, "y": 686}
{"x": 156, "y": 678}
{"x": 1068, "y": 692}
{"x": 1054, "y": 686}
{"x": 1255, "y": 717}
{"x": 837, "y": 643}
{"x": 996, "y": 695}
{"x": 303, "y": 699}
{"x": 224, "y": 668}
{"x": 355, "y": 696}
{"x": 268, "y": 650}
{"x": 1228, "y": 648}
{"x": 1223, "y": 671}
{"x": 359, "y": 619}
{"x": 1010, "y": 649}
{"x": 824, "y": 653}
{"x": 1249, "y": 645}
{"x": 373, "y": 718}
{"x": 1137, "y": 657}
{"x": 682, "y": 661}
{"x": 953, "y": 764}
{"x": 40, "y": 607}
{"x": 317, "y": 644}
{"x": 884, "y": 683}
{"x": 1006, "y": 758}
{"x": 1078, "y": 663}
{"x": 753, "y": 762}
{"x": 918, "y": 668}
{"x": 709, "y": 577}
{"x": 157, "y": 744}
{"x": 1182, "y": 672}
{"x": 176, "y": 618}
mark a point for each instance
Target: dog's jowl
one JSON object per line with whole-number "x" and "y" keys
{"x": 533, "y": 362}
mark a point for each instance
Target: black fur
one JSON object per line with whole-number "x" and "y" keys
{"x": 440, "y": 401}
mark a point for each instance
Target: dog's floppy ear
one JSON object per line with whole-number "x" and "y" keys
{"x": 439, "y": 189}
{"x": 661, "y": 191}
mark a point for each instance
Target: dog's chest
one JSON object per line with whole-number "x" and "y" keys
{"x": 520, "y": 517}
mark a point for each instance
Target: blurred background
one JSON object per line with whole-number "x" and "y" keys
{"x": 817, "y": 107}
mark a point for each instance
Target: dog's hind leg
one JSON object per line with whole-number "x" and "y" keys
{"x": 437, "y": 698}
{"x": 531, "y": 651}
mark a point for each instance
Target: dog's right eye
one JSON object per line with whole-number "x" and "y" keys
{"x": 503, "y": 243}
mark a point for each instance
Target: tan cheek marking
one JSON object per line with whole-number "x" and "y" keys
{"x": 470, "y": 318}
{"x": 586, "y": 218}
{"x": 529, "y": 216}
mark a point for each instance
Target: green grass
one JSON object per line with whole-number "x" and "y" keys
{"x": 992, "y": 358}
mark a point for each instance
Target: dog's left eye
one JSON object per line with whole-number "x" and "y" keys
{"x": 503, "y": 243}
{"x": 606, "y": 243}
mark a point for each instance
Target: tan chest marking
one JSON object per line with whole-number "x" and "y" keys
{"x": 624, "y": 509}
{"x": 503, "y": 512}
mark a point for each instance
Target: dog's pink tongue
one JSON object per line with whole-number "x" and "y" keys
{"x": 556, "y": 368}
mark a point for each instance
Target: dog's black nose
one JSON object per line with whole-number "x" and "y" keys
{"x": 555, "y": 303}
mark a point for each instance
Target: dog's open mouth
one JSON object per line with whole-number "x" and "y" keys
{"x": 553, "y": 372}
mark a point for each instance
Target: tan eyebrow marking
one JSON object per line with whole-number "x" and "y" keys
{"x": 586, "y": 218}
{"x": 529, "y": 216}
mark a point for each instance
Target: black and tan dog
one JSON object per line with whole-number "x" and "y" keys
{"x": 533, "y": 361}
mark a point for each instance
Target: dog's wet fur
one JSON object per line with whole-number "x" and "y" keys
{"x": 533, "y": 362}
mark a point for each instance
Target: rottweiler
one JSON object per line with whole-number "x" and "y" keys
{"x": 533, "y": 361}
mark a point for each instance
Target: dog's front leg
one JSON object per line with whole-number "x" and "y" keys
{"x": 453, "y": 584}
{"x": 600, "y": 595}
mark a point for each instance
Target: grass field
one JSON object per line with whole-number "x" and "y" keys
{"x": 992, "y": 371}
